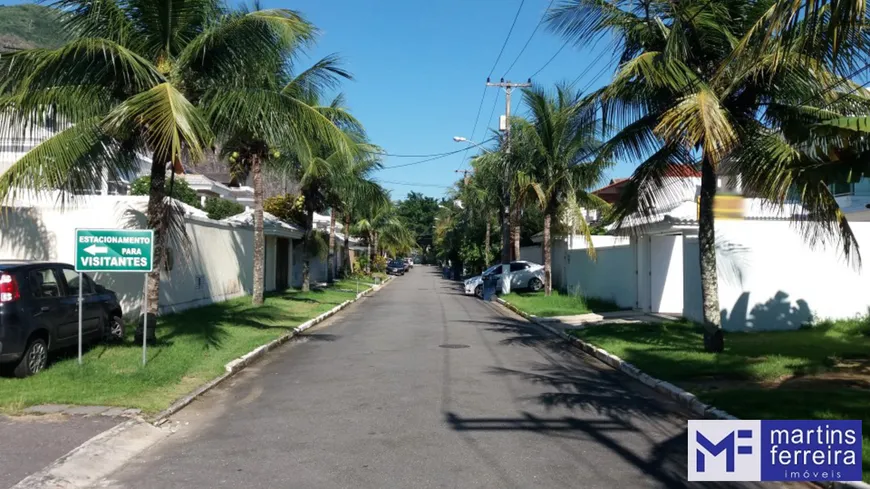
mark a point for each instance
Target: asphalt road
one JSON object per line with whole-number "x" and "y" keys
{"x": 29, "y": 443}
{"x": 373, "y": 400}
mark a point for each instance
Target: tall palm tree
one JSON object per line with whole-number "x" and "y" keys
{"x": 279, "y": 115}
{"x": 706, "y": 84}
{"x": 561, "y": 134}
{"x": 130, "y": 81}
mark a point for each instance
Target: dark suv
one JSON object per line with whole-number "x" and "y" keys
{"x": 39, "y": 313}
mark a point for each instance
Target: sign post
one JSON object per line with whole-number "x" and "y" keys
{"x": 113, "y": 250}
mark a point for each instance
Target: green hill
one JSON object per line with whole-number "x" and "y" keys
{"x": 29, "y": 26}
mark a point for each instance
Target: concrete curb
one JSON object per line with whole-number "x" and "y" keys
{"x": 682, "y": 397}
{"x": 239, "y": 364}
{"x": 96, "y": 458}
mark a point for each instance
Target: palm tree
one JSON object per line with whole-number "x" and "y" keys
{"x": 707, "y": 84}
{"x": 278, "y": 116}
{"x": 130, "y": 81}
{"x": 384, "y": 231}
{"x": 561, "y": 137}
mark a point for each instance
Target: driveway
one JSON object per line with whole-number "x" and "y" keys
{"x": 422, "y": 387}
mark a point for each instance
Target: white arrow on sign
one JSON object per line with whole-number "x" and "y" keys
{"x": 94, "y": 249}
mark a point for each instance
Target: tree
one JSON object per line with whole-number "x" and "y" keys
{"x": 561, "y": 135}
{"x": 418, "y": 213}
{"x": 132, "y": 80}
{"x": 275, "y": 123}
{"x": 383, "y": 231}
{"x": 716, "y": 83}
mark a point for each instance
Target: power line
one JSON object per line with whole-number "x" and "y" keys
{"x": 474, "y": 129}
{"x": 414, "y": 184}
{"x": 506, "y": 39}
{"x": 443, "y": 155}
{"x": 447, "y": 153}
{"x": 549, "y": 60}
{"x": 523, "y": 50}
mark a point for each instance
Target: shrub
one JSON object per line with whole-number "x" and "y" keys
{"x": 180, "y": 190}
{"x": 218, "y": 208}
{"x": 380, "y": 264}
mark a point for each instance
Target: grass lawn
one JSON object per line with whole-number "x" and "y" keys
{"x": 557, "y": 304}
{"x": 192, "y": 348}
{"x": 816, "y": 373}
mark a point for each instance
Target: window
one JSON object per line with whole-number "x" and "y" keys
{"x": 44, "y": 283}
{"x": 90, "y": 287}
{"x": 516, "y": 267}
{"x": 72, "y": 283}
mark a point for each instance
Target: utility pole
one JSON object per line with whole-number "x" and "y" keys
{"x": 465, "y": 173}
{"x": 506, "y": 196}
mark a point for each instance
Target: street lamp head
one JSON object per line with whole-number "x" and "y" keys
{"x": 459, "y": 139}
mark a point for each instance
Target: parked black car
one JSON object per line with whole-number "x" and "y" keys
{"x": 39, "y": 313}
{"x": 396, "y": 267}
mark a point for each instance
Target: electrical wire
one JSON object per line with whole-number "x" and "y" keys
{"x": 443, "y": 155}
{"x": 526, "y": 45}
{"x": 474, "y": 129}
{"x": 549, "y": 60}
{"x": 506, "y": 39}
{"x": 414, "y": 184}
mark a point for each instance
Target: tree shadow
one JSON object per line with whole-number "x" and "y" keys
{"x": 598, "y": 405}
{"x": 24, "y": 235}
{"x": 776, "y": 314}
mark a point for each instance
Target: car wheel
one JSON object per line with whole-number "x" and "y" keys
{"x": 535, "y": 284}
{"x": 35, "y": 358}
{"x": 478, "y": 291}
{"x": 113, "y": 331}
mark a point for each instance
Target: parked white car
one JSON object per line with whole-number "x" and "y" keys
{"x": 523, "y": 275}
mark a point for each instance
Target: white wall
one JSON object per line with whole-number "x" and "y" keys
{"x": 610, "y": 276}
{"x": 219, "y": 265}
{"x": 769, "y": 278}
{"x": 271, "y": 257}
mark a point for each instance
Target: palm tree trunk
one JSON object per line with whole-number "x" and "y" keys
{"x": 714, "y": 340}
{"x": 486, "y": 246}
{"x": 369, "y": 254}
{"x": 348, "y": 266}
{"x": 375, "y": 247}
{"x": 330, "y": 272}
{"x": 515, "y": 232}
{"x": 548, "y": 259}
{"x": 259, "y": 237}
{"x": 157, "y": 222}
{"x": 306, "y": 253}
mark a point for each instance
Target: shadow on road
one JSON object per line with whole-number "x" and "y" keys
{"x": 599, "y": 406}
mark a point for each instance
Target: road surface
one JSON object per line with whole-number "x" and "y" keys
{"x": 374, "y": 399}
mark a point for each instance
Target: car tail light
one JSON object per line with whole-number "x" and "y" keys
{"x": 8, "y": 288}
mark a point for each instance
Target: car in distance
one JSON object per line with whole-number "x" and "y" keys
{"x": 39, "y": 313}
{"x": 409, "y": 262}
{"x": 396, "y": 267}
{"x": 523, "y": 275}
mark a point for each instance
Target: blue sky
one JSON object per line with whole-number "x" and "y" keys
{"x": 421, "y": 66}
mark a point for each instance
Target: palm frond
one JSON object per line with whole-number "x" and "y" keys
{"x": 169, "y": 123}
{"x": 311, "y": 84}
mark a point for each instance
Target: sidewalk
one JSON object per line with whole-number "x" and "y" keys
{"x": 580, "y": 321}
{"x": 32, "y": 442}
